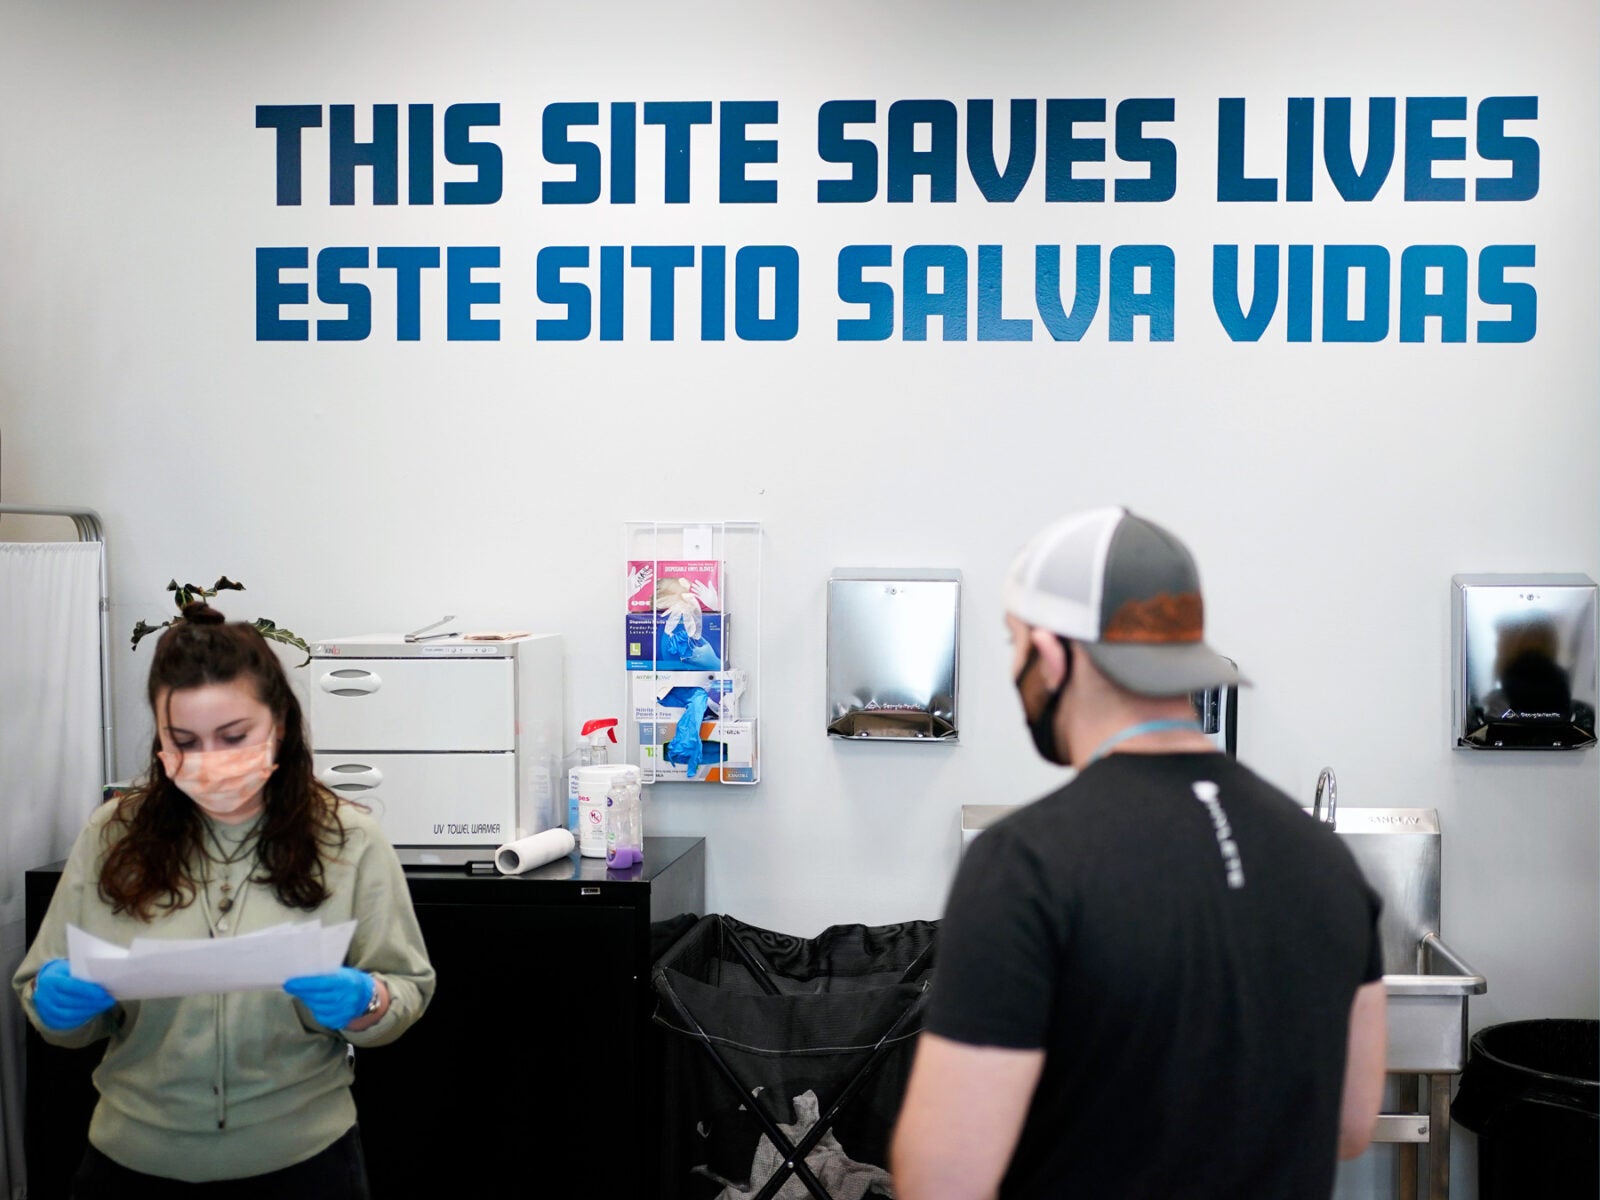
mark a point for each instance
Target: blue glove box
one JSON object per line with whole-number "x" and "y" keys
{"x": 652, "y": 647}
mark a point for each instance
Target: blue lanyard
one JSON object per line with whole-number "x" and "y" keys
{"x": 1133, "y": 731}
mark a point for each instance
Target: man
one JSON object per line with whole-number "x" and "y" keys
{"x": 1162, "y": 980}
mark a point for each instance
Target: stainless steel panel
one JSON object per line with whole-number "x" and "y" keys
{"x": 893, "y": 638}
{"x": 1524, "y": 666}
{"x": 1442, "y": 973}
{"x": 1398, "y": 851}
{"x": 1425, "y": 1034}
{"x": 1426, "y": 983}
{"x": 1400, "y": 1127}
{"x": 1428, "y": 1011}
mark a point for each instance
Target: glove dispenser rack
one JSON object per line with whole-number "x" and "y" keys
{"x": 692, "y": 651}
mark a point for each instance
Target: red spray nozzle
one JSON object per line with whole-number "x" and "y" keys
{"x": 609, "y": 724}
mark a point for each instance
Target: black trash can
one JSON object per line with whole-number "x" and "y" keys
{"x": 1531, "y": 1092}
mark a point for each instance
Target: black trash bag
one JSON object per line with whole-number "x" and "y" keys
{"x": 838, "y": 1011}
{"x": 1531, "y": 1092}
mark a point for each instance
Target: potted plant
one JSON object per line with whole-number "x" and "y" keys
{"x": 187, "y": 593}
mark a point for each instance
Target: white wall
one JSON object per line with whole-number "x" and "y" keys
{"x": 1329, "y": 491}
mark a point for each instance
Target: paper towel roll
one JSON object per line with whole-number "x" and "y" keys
{"x": 525, "y": 854}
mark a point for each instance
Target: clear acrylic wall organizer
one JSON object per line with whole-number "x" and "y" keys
{"x": 731, "y": 730}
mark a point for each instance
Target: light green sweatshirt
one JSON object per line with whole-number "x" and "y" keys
{"x": 224, "y": 1086}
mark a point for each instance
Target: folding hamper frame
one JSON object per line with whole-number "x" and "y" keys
{"x": 675, "y": 1014}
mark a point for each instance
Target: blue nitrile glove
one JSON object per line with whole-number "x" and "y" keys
{"x": 679, "y": 697}
{"x": 335, "y": 999}
{"x": 63, "y": 1002}
{"x": 685, "y": 748}
{"x": 700, "y": 655}
{"x": 673, "y": 644}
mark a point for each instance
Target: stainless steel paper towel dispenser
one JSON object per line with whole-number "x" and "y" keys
{"x": 893, "y": 637}
{"x": 1524, "y": 661}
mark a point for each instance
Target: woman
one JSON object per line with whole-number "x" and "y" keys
{"x": 229, "y": 833}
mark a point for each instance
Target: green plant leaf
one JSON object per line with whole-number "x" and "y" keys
{"x": 143, "y": 629}
{"x": 272, "y": 633}
{"x": 187, "y": 593}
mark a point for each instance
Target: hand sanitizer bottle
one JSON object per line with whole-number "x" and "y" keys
{"x": 624, "y": 825}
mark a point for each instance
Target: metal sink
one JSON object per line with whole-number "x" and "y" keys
{"x": 1398, "y": 850}
{"x": 1428, "y": 1011}
{"x": 1426, "y": 982}
{"x": 1427, "y": 1020}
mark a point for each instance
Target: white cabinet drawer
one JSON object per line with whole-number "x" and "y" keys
{"x": 412, "y": 704}
{"x": 429, "y": 799}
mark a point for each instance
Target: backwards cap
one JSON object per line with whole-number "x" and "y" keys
{"x": 1128, "y": 591}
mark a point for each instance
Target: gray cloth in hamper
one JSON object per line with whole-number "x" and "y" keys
{"x": 843, "y": 1178}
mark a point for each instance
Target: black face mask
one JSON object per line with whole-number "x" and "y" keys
{"x": 1042, "y": 725}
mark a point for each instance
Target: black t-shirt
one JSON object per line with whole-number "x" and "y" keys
{"x": 1184, "y": 944}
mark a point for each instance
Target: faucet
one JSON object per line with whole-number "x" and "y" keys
{"x": 1325, "y": 780}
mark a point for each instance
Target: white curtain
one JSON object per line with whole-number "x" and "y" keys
{"x": 50, "y": 769}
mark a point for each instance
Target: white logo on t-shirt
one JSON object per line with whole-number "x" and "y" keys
{"x": 1207, "y": 792}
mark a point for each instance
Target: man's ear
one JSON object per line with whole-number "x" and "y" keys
{"x": 1052, "y": 657}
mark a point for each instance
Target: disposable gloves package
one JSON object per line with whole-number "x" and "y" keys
{"x": 681, "y": 641}
{"x": 675, "y": 642}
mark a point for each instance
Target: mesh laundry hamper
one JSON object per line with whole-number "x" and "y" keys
{"x": 784, "y": 1059}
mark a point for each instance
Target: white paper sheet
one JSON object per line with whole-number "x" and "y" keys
{"x": 251, "y": 962}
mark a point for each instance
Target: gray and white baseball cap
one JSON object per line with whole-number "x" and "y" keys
{"x": 1128, "y": 590}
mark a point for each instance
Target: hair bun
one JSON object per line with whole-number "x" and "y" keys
{"x": 198, "y": 612}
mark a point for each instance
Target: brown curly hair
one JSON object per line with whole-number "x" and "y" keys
{"x": 157, "y": 831}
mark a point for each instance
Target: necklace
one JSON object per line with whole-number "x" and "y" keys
{"x": 226, "y": 860}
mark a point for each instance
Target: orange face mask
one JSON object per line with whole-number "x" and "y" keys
{"x": 221, "y": 781}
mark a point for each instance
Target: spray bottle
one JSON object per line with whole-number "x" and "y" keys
{"x": 593, "y": 752}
